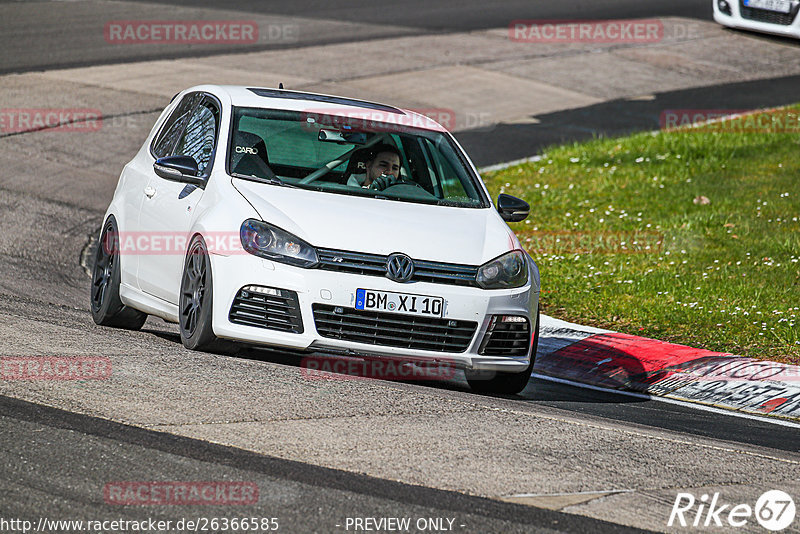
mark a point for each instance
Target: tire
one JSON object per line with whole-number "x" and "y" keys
{"x": 107, "y": 308}
{"x": 196, "y": 301}
{"x": 504, "y": 382}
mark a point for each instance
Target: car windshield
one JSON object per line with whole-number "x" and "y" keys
{"x": 333, "y": 154}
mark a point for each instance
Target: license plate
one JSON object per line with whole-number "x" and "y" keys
{"x": 781, "y": 6}
{"x": 386, "y": 301}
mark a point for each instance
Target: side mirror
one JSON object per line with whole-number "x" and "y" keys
{"x": 512, "y": 209}
{"x": 178, "y": 169}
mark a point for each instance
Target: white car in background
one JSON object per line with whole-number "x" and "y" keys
{"x": 241, "y": 219}
{"x": 778, "y": 17}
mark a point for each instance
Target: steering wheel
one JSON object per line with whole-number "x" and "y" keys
{"x": 409, "y": 187}
{"x": 403, "y": 181}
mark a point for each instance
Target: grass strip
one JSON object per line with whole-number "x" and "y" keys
{"x": 690, "y": 236}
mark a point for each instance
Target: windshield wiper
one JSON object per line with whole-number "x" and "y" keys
{"x": 271, "y": 181}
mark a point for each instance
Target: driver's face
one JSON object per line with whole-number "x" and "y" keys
{"x": 384, "y": 163}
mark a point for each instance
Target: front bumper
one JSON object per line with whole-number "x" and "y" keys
{"x": 320, "y": 287}
{"x": 759, "y": 20}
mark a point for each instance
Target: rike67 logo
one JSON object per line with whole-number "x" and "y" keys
{"x": 774, "y": 510}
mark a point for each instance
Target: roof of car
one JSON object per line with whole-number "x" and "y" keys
{"x": 260, "y": 97}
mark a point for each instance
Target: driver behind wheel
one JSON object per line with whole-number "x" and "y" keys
{"x": 382, "y": 169}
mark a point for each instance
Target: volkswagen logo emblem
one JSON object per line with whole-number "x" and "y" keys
{"x": 399, "y": 268}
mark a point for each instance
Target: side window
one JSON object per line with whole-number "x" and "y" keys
{"x": 398, "y": 142}
{"x": 418, "y": 164}
{"x": 443, "y": 170}
{"x": 199, "y": 137}
{"x": 173, "y": 127}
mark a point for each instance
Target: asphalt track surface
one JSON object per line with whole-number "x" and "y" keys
{"x": 57, "y": 37}
{"x": 509, "y": 142}
{"x": 304, "y": 498}
{"x": 56, "y": 462}
{"x": 65, "y": 35}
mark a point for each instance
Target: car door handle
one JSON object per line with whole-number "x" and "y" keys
{"x": 149, "y": 191}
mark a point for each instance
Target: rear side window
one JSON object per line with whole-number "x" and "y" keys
{"x": 199, "y": 136}
{"x": 173, "y": 127}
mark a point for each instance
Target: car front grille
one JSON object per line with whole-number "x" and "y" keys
{"x": 764, "y": 15}
{"x": 266, "y": 307}
{"x": 506, "y": 338}
{"x": 393, "y": 330}
{"x": 375, "y": 265}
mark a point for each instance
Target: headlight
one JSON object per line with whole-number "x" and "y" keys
{"x": 509, "y": 270}
{"x": 271, "y": 242}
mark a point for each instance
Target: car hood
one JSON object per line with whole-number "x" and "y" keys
{"x": 425, "y": 232}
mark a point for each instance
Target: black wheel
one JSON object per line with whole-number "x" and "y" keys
{"x": 504, "y": 382}
{"x": 197, "y": 299}
{"x": 107, "y": 308}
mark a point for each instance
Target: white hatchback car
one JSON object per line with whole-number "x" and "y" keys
{"x": 778, "y": 17}
{"x": 323, "y": 224}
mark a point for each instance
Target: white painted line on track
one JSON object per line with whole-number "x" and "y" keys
{"x": 507, "y": 164}
{"x": 595, "y": 492}
{"x": 686, "y": 403}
